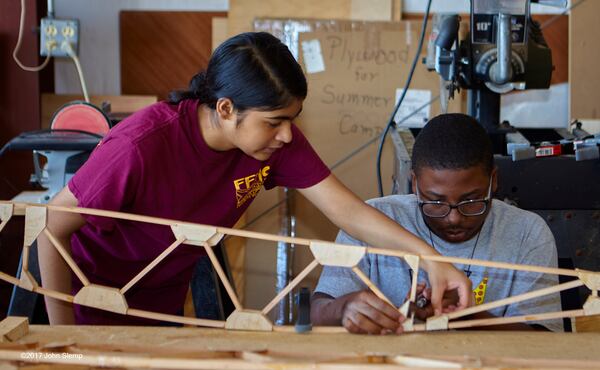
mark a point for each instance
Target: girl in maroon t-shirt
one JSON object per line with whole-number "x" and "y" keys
{"x": 202, "y": 157}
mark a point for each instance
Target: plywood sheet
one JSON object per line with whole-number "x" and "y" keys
{"x": 243, "y": 12}
{"x": 584, "y": 74}
{"x": 161, "y": 51}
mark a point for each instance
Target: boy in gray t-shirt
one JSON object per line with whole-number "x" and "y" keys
{"x": 453, "y": 179}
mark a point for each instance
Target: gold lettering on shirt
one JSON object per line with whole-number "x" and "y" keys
{"x": 248, "y": 187}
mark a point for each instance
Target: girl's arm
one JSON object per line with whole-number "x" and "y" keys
{"x": 366, "y": 223}
{"x": 56, "y": 274}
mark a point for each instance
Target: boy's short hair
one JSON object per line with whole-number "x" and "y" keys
{"x": 452, "y": 141}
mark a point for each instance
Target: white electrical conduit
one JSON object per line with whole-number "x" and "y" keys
{"x": 67, "y": 47}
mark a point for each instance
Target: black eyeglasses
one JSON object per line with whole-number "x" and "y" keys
{"x": 439, "y": 209}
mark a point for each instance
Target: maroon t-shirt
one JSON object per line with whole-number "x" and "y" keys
{"x": 156, "y": 163}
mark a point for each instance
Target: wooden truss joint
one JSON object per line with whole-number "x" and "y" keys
{"x": 199, "y": 235}
{"x": 591, "y": 279}
{"x": 248, "y": 320}
{"x": 437, "y": 323}
{"x": 102, "y": 297}
{"x": 591, "y": 306}
{"x": 35, "y": 223}
{"x": 6, "y": 212}
{"x": 331, "y": 254}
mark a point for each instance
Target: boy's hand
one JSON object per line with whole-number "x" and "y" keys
{"x": 449, "y": 302}
{"x": 444, "y": 277}
{"x": 365, "y": 313}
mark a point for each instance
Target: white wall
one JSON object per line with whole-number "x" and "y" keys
{"x": 99, "y": 39}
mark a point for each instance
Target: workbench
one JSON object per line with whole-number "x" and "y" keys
{"x": 85, "y": 347}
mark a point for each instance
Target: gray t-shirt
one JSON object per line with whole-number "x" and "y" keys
{"x": 509, "y": 234}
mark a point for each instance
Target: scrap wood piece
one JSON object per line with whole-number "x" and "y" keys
{"x": 332, "y": 254}
{"x": 13, "y": 328}
{"x": 248, "y": 320}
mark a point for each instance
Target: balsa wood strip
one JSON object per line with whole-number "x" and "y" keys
{"x": 514, "y": 299}
{"x": 476, "y": 262}
{"x": 67, "y": 257}
{"x": 311, "y": 266}
{"x": 223, "y": 277}
{"x": 54, "y": 294}
{"x": 168, "y": 222}
{"x": 175, "y": 318}
{"x": 514, "y": 319}
{"x": 372, "y": 286}
{"x": 152, "y": 264}
{"x": 8, "y": 278}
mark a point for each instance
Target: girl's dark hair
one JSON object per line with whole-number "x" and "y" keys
{"x": 253, "y": 69}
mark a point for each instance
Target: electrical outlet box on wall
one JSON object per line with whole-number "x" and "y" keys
{"x": 56, "y": 33}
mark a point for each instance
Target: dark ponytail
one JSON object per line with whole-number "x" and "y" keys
{"x": 254, "y": 69}
{"x": 198, "y": 90}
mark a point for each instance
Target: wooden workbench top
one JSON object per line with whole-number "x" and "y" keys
{"x": 215, "y": 348}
